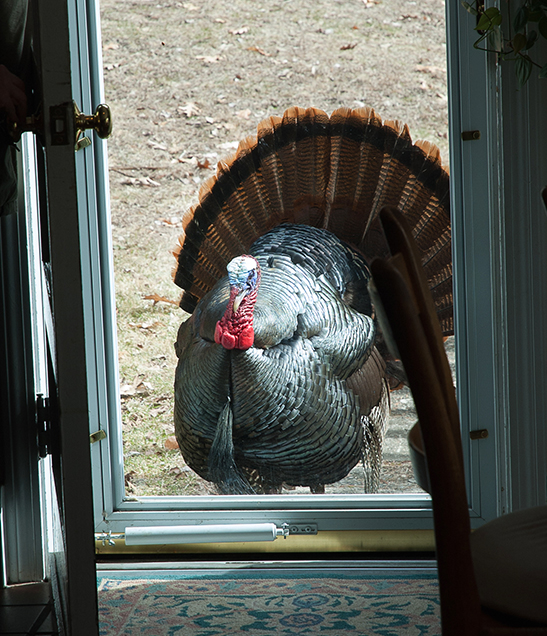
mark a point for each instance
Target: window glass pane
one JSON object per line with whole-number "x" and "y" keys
{"x": 186, "y": 82}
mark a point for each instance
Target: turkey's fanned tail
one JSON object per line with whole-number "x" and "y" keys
{"x": 334, "y": 172}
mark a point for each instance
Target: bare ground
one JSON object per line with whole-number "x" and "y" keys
{"x": 186, "y": 81}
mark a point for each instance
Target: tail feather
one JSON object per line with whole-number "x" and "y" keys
{"x": 418, "y": 188}
{"x": 285, "y": 141}
{"x": 312, "y": 155}
{"x": 335, "y": 172}
{"x": 197, "y": 265}
{"x": 394, "y": 171}
{"x": 271, "y": 168}
{"x": 342, "y": 215}
{"x": 235, "y": 212}
{"x": 253, "y": 193}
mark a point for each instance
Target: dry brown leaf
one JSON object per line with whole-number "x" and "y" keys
{"x": 239, "y": 31}
{"x": 171, "y": 443}
{"x": 139, "y": 387}
{"x": 128, "y": 478}
{"x": 257, "y": 49}
{"x": 145, "y": 326}
{"x": 189, "y": 109}
{"x": 243, "y": 114}
{"x": 160, "y": 299}
{"x": 155, "y": 145}
{"x": 143, "y": 388}
{"x": 435, "y": 71}
{"x": 127, "y": 390}
{"x": 174, "y": 221}
{"x": 347, "y": 47}
{"x": 140, "y": 181}
{"x": 204, "y": 164}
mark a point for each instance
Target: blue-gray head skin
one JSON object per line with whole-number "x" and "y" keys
{"x": 235, "y": 329}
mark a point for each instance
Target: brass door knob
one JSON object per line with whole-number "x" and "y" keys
{"x": 33, "y": 123}
{"x": 100, "y": 121}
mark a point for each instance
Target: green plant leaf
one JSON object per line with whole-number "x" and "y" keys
{"x": 523, "y": 68}
{"x": 531, "y": 40}
{"x": 542, "y": 26}
{"x": 518, "y": 42}
{"x": 520, "y": 20}
{"x": 543, "y": 72}
{"x": 484, "y": 23}
{"x": 469, "y": 8}
{"x": 495, "y": 16}
{"x": 491, "y": 12}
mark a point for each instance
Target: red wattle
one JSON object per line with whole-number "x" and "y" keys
{"x": 235, "y": 329}
{"x": 218, "y": 333}
{"x": 228, "y": 341}
{"x": 246, "y": 338}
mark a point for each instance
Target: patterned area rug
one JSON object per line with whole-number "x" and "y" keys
{"x": 265, "y": 602}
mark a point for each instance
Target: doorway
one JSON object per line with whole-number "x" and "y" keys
{"x": 189, "y": 81}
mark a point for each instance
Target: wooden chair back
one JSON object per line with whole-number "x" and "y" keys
{"x": 405, "y": 308}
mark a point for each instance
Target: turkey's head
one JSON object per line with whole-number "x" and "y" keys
{"x": 235, "y": 329}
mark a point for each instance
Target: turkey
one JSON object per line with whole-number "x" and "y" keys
{"x": 282, "y": 377}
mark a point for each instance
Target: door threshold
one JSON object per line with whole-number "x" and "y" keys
{"x": 404, "y": 566}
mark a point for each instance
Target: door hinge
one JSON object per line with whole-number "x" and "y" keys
{"x": 471, "y": 135}
{"x": 97, "y": 436}
{"x": 481, "y": 433}
{"x": 43, "y": 421}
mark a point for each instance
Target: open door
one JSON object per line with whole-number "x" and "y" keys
{"x": 59, "y": 165}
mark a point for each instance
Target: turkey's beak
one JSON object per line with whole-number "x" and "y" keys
{"x": 238, "y": 299}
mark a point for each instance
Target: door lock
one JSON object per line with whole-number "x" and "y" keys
{"x": 100, "y": 122}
